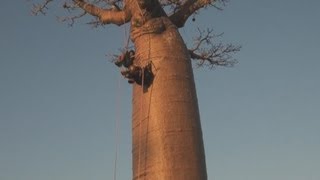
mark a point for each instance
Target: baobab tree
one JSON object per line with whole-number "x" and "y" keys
{"x": 166, "y": 130}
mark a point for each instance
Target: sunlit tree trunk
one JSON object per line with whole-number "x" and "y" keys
{"x": 167, "y": 135}
{"x": 167, "y": 139}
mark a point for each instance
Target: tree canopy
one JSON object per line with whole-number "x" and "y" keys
{"x": 207, "y": 49}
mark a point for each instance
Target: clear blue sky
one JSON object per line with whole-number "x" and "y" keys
{"x": 59, "y": 94}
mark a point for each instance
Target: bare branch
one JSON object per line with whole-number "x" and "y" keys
{"x": 215, "y": 54}
{"x": 106, "y": 16}
{"x": 106, "y": 11}
{"x": 71, "y": 19}
{"x": 189, "y": 7}
{"x": 40, "y": 8}
{"x": 70, "y": 7}
{"x": 95, "y": 23}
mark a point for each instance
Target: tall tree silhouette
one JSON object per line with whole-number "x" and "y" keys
{"x": 166, "y": 130}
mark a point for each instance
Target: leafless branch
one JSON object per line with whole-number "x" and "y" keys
{"x": 105, "y": 11}
{"x": 214, "y": 54}
{"x": 71, "y": 19}
{"x": 95, "y": 23}
{"x": 40, "y": 8}
{"x": 190, "y": 7}
{"x": 106, "y": 16}
{"x": 179, "y": 10}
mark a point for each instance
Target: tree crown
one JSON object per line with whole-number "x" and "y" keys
{"x": 206, "y": 50}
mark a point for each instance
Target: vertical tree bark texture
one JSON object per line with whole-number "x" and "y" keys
{"x": 167, "y": 139}
{"x": 167, "y": 136}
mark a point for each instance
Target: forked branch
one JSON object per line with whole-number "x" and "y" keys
{"x": 106, "y": 16}
{"x": 71, "y": 19}
{"x": 40, "y": 8}
{"x": 112, "y": 15}
{"x": 213, "y": 54}
{"x": 190, "y": 7}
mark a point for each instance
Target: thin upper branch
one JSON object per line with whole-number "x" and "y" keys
{"x": 189, "y": 7}
{"x": 40, "y": 8}
{"x": 71, "y": 19}
{"x": 106, "y": 16}
{"x": 213, "y": 54}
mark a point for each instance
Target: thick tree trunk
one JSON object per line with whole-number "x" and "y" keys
{"x": 167, "y": 136}
{"x": 167, "y": 139}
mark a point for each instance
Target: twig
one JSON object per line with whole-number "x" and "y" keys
{"x": 40, "y": 8}
{"x": 213, "y": 54}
